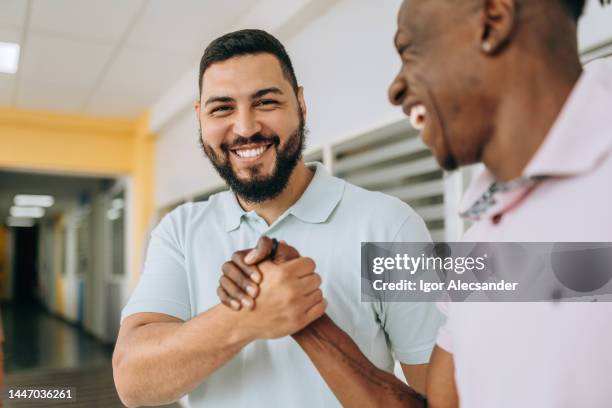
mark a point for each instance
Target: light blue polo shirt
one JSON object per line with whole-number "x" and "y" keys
{"x": 328, "y": 224}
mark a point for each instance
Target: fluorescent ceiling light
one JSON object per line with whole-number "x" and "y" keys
{"x": 19, "y": 222}
{"x": 29, "y": 212}
{"x": 30, "y": 200}
{"x": 9, "y": 57}
{"x": 117, "y": 203}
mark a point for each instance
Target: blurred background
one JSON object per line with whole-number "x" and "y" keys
{"x": 98, "y": 140}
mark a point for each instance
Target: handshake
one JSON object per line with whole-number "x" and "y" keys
{"x": 276, "y": 288}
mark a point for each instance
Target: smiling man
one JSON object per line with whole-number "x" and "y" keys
{"x": 499, "y": 82}
{"x": 176, "y": 337}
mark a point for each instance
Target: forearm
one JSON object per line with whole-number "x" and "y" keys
{"x": 160, "y": 362}
{"x": 354, "y": 380}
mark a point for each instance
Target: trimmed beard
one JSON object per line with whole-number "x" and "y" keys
{"x": 259, "y": 188}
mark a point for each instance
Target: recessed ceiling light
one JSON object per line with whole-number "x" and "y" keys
{"x": 9, "y": 57}
{"x": 31, "y": 200}
{"x": 19, "y": 222}
{"x": 29, "y": 212}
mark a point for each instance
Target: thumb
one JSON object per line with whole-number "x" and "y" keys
{"x": 261, "y": 251}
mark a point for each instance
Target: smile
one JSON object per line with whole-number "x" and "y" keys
{"x": 251, "y": 152}
{"x": 418, "y": 115}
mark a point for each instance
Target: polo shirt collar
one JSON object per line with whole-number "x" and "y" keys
{"x": 577, "y": 141}
{"x": 320, "y": 197}
{"x": 581, "y": 135}
{"x": 232, "y": 210}
{"x": 314, "y": 206}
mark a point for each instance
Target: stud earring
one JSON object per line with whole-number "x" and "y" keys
{"x": 486, "y": 46}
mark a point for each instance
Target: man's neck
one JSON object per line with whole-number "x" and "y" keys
{"x": 526, "y": 113}
{"x": 270, "y": 210}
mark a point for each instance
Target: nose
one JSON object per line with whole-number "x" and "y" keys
{"x": 397, "y": 90}
{"x": 246, "y": 123}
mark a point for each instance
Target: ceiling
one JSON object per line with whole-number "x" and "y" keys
{"x": 65, "y": 189}
{"x": 106, "y": 57}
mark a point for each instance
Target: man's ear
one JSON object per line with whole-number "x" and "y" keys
{"x": 196, "y": 107}
{"x": 302, "y": 101}
{"x": 498, "y": 23}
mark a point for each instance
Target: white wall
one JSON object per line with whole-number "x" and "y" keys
{"x": 346, "y": 60}
{"x": 181, "y": 168}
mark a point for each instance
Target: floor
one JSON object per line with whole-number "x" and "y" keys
{"x": 34, "y": 339}
{"x": 42, "y": 350}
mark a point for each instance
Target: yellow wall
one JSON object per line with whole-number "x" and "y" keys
{"x": 143, "y": 182}
{"x": 49, "y": 141}
{"x": 43, "y": 141}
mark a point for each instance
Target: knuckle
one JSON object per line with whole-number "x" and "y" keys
{"x": 221, "y": 293}
{"x": 226, "y": 267}
{"x": 308, "y": 263}
{"x": 241, "y": 281}
{"x": 264, "y": 244}
{"x": 292, "y": 251}
{"x": 237, "y": 257}
{"x": 291, "y": 295}
{"x": 283, "y": 248}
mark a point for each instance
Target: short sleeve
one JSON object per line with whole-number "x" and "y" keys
{"x": 444, "y": 334}
{"x": 163, "y": 286}
{"x": 411, "y": 327}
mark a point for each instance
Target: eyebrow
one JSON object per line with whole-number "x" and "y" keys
{"x": 405, "y": 43}
{"x": 214, "y": 99}
{"x": 258, "y": 94}
{"x": 266, "y": 91}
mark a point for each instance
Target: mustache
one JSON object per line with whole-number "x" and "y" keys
{"x": 257, "y": 138}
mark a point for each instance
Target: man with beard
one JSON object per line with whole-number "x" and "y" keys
{"x": 499, "y": 82}
{"x": 176, "y": 337}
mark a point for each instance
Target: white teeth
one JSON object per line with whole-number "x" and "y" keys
{"x": 418, "y": 113}
{"x": 247, "y": 153}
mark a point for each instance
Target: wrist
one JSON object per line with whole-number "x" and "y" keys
{"x": 248, "y": 325}
{"x": 240, "y": 330}
{"x": 314, "y": 330}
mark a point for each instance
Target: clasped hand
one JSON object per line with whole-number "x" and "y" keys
{"x": 281, "y": 295}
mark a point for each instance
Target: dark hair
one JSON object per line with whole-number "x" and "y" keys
{"x": 245, "y": 42}
{"x": 574, "y": 7}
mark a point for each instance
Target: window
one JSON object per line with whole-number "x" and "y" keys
{"x": 393, "y": 160}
